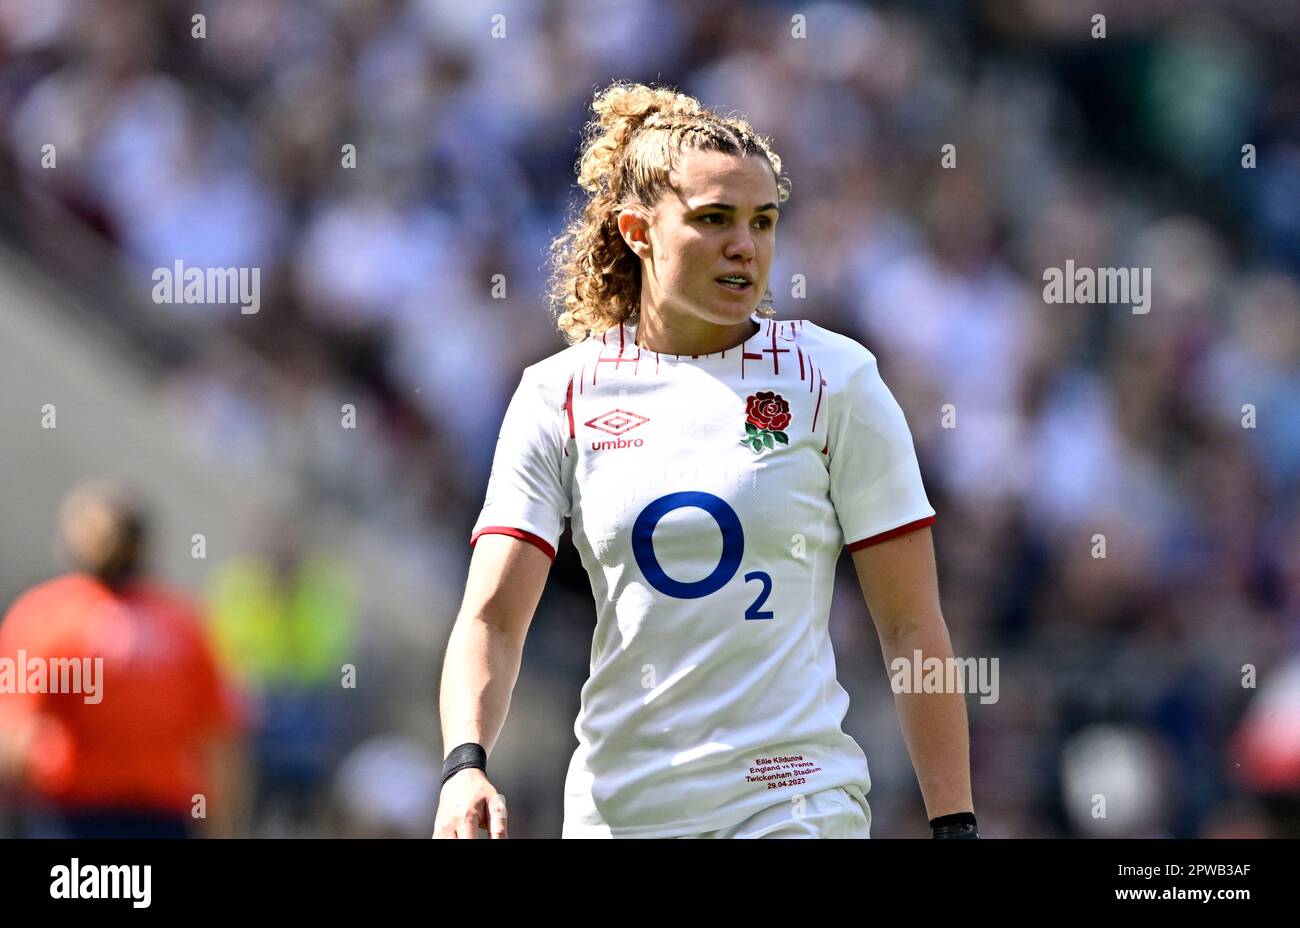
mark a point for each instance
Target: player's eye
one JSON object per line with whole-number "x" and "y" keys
{"x": 763, "y": 221}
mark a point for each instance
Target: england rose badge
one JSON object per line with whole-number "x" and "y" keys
{"x": 767, "y": 416}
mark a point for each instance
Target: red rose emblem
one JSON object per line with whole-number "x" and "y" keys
{"x": 768, "y": 411}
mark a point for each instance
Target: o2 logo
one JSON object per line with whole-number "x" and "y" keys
{"x": 733, "y": 550}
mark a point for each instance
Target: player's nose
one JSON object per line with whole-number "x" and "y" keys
{"x": 742, "y": 248}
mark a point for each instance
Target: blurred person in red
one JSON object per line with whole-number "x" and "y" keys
{"x": 114, "y": 719}
{"x": 1265, "y": 749}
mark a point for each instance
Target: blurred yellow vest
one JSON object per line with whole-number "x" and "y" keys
{"x": 297, "y": 630}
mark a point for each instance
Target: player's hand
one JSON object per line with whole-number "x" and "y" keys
{"x": 469, "y": 802}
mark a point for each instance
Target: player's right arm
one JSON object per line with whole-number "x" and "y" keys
{"x": 505, "y": 583}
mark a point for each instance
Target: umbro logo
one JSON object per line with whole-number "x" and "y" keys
{"x": 616, "y": 422}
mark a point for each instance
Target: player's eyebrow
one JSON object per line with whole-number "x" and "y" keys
{"x": 727, "y": 207}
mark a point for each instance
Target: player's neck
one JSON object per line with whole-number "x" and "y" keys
{"x": 657, "y": 334}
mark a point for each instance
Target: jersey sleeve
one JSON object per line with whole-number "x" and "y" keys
{"x": 875, "y": 480}
{"x": 526, "y": 493}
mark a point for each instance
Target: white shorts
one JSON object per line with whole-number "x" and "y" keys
{"x": 838, "y": 812}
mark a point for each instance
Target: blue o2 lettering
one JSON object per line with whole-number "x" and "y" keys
{"x": 733, "y": 544}
{"x": 752, "y": 612}
{"x": 733, "y": 550}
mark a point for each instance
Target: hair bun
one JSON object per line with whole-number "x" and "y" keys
{"x": 629, "y": 106}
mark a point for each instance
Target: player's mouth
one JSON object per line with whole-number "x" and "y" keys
{"x": 737, "y": 283}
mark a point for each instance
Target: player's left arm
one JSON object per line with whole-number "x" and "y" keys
{"x": 900, "y": 585}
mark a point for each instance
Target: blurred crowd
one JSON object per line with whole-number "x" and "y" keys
{"x": 396, "y": 168}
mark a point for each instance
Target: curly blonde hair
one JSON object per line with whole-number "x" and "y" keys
{"x": 629, "y": 148}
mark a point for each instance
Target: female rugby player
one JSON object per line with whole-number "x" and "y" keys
{"x": 714, "y": 461}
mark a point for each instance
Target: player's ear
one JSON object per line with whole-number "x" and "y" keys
{"x": 634, "y": 226}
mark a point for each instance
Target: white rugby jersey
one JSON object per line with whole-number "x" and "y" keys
{"x": 710, "y": 497}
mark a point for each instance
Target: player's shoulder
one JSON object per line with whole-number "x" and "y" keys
{"x": 559, "y": 364}
{"x": 546, "y": 384}
{"x": 555, "y": 371}
{"x": 75, "y": 586}
{"x": 34, "y": 607}
{"x": 841, "y": 355}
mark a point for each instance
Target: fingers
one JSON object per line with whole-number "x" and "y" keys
{"x": 497, "y": 813}
{"x": 445, "y": 827}
{"x": 489, "y": 808}
{"x": 467, "y": 824}
{"x": 460, "y": 826}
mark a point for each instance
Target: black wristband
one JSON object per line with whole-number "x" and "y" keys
{"x": 462, "y": 756}
{"x": 956, "y": 825}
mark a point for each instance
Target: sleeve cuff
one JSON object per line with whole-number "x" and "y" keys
{"x": 535, "y": 540}
{"x": 892, "y": 533}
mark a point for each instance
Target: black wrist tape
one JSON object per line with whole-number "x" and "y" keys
{"x": 956, "y": 825}
{"x": 462, "y": 756}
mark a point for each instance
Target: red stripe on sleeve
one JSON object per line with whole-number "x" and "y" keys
{"x": 519, "y": 533}
{"x": 892, "y": 533}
